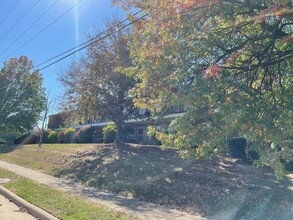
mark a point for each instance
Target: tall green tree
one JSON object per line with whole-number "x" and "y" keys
{"x": 95, "y": 85}
{"x": 21, "y": 96}
{"x": 230, "y": 61}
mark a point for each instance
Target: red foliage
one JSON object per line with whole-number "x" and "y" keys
{"x": 212, "y": 71}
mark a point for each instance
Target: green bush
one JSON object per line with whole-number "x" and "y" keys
{"x": 97, "y": 135}
{"x": 66, "y": 135}
{"x": 84, "y": 135}
{"x": 50, "y": 136}
{"x": 109, "y": 133}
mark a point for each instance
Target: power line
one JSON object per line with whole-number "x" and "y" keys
{"x": 70, "y": 54}
{"x": 88, "y": 41}
{"x": 42, "y": 15}
{"x": 20, "y": 19}
{"x": 54, "y": 21}
{"x": 9, "y": 12}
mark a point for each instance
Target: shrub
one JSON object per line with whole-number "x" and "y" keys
{"x": 237, "y": 148}
{"x": 109, "y": 133}
{"x": 84, "y": 135}
{"x": 66, "y": 135}
{"x": 97, "y": 135}
{"x": 50, "y": 136}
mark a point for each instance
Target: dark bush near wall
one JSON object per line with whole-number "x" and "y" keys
{"x": 27, "y": 139}
{"x": 84, "y": 135}
{"x": 97, "y": 135}
{"x": 66, "y": 135}
{"x": 237, "y": 148}
{"x": 109, "y": 133}
{"x": 50, "y": 136}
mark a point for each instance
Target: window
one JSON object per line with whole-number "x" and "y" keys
{"x": 141, "y": 111}
{"x": 131, "y": 132}
{"x": 140, "y": 131}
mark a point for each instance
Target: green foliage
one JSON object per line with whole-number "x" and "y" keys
{"x": 8, "y": 138}
{"x": 230, "y": 62}
{"x": 50, "y": 136}
{"x": 21, "y": 96}
{"x": 66, "y": 135}
{"x": 109, "y": 133}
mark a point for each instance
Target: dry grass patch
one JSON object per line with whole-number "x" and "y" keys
{"x": 48, "y": 159}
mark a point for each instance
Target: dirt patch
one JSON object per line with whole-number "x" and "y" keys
{"x": 218, "y": 187}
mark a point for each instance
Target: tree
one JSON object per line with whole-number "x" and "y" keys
{"x": 42, "y": 120}
{"x": 230, "y": 61}
{"x": 95, "y": 85}
{"x": 21, "y": 96}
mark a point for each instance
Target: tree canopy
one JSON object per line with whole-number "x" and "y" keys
{"x": 230, "y": 61}
{"x": 21, "y": 96}
{"x": 95, "y": 85}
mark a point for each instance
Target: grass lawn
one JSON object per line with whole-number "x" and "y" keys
{"x": 61, "y": 205}
{"x": 47, "y": 159}
{"x": 207, "y": 187}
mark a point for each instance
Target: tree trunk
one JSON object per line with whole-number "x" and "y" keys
{"x": 118, "y": 139}
{"x": 41, "y": 138}
{"x": 119, "y": 121}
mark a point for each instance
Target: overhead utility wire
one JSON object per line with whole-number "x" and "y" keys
{"x": 54, "y": 21}
{"x": 9, "y": 12}
{"x": 88, "y": 41}
{"x": 64, "y": 57}
{"x": 42, "y": 15}
{"x": 20, "y": 19}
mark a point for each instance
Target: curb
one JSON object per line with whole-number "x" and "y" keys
{"x": 31, "y": 209}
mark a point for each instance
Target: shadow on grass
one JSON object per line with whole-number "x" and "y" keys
{"x": 7, "y": 148}
{"x": 218, "y": 187}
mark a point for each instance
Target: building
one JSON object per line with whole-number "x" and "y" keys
{"x": 136, "y": 127}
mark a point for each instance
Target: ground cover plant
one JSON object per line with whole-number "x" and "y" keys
{"x": 61, "y": 205}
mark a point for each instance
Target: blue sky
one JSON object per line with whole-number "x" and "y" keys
{"x": 66, "y": 33}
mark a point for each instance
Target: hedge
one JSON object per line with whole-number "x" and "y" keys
{"x": 66, "y": 135}
{"x": 109, "y": 133}
{"x": 50, "y": 137}
{"x": 84, "y": 135}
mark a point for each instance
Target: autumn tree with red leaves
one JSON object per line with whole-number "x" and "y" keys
{"x": 230, "y": 61}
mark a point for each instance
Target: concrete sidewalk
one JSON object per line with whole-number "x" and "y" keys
{"x": 142, "y": 210}
{"x": 10, "y": 211}
{"x": 17, "y": 208}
